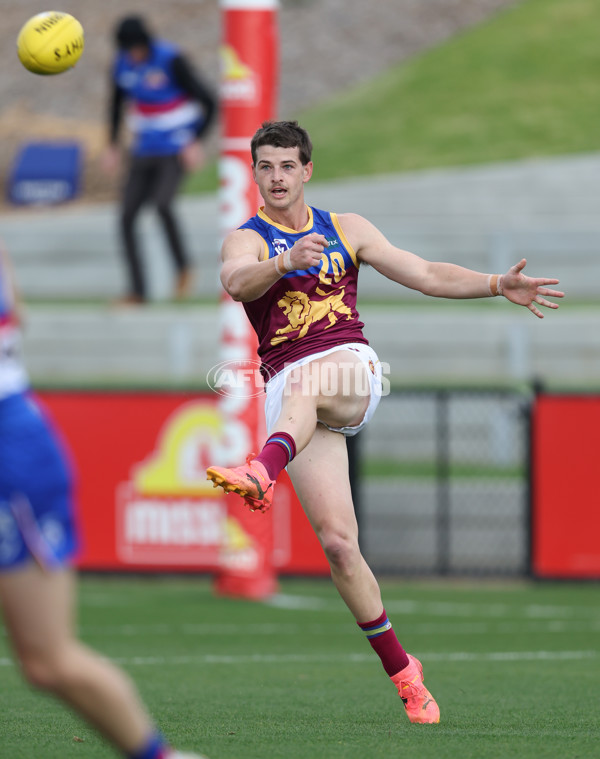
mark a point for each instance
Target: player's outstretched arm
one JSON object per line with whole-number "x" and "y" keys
{"x": 526, "y": 291}
{"x": 444, "y": 280}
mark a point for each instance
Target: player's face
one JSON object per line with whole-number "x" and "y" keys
{"x": 281, "y": 176}
{"x": 138, "y": 54}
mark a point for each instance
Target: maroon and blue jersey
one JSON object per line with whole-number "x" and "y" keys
{"x": 306, "y": 311}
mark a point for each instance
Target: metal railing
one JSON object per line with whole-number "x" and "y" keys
{"x": 442, "y": 485}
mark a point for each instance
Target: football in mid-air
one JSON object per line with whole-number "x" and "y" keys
{"x": 50, "y": 43}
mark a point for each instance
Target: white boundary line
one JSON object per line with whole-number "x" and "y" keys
{"x": 493, "y": 626}
{"x": 368, "y": 657}
{"x": 290, "y": 601}
{"x": 496, "y": 627}
{"x": 439, "y": 608}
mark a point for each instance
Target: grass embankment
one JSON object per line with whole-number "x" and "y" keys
{"x": 524, "y": 84}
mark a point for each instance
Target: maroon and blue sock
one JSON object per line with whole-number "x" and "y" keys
{"x": 277, "y": 453}
{"x": 385, "y": 644}
{"x": 155, "y": 748}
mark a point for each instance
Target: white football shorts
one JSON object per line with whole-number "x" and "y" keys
{"x": 276, "y": 385}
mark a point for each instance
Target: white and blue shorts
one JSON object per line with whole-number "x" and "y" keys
{"x": 36, "y": 503}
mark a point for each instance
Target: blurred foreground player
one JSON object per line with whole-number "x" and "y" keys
{"x": 295, "y": 269}
{"x": 37, "y": 538}
{"x": 170, "y": 112}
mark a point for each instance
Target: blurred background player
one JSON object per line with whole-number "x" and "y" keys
{"x": 295, "y": 269}
{"x": 37, "y": 539}
{"x": 170, "y": 111}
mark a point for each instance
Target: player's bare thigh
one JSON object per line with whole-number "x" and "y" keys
{"x": 320, "y": 477}
{"x": 339, "y": 385}
{"x": 38, "y": 607}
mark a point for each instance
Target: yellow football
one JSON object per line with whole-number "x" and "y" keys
{"x": 50, "y": 43}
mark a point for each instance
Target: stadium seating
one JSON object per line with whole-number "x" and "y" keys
{"x": 45, "y": 173}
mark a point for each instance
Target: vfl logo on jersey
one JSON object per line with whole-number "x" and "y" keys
{"x": 301, "y": 312}
{"x": 280, "y": 245}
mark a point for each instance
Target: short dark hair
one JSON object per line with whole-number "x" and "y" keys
{"x": 282, "y": 134}
{"x": 132, "y": 31}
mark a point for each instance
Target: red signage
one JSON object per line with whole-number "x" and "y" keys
{"x": 566, "y": 497}
{"x": 144, "y": 501}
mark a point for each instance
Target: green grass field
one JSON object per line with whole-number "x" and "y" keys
{"x": 514, "y": 667}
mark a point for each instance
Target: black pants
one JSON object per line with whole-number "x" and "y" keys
{"x": 151, "y": 179}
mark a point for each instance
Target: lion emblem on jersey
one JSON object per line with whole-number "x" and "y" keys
{"x": 302, "y": 312}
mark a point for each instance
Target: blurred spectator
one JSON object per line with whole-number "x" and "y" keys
{"x": 170, "y": 111}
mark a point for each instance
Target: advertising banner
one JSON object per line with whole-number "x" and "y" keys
{"x": 565, "y": 494}
{"x": 144, "y": 502}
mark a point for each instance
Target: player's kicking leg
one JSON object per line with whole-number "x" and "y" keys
{"x": 320, "y": 477}
{"x": 318, "y": 465}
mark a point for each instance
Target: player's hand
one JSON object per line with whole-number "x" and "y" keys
{"x": 192, "y": 156}
{"x": 306, "y": 252}
{"x": 110, "y": 160}
{"x": 529, "y": 291}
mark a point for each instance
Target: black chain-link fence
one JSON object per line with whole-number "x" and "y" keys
{"x": 443, "y": 484}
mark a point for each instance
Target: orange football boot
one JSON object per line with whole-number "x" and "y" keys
{"x": 420, "y": 705}
{"x": 250, "y": 480}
